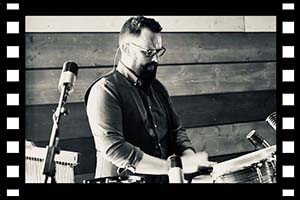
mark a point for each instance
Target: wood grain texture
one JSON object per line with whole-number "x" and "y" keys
{"x": 227, "y": 108}
{"x": 255, "y": 24}
{"x": 169, "y": 23}
{"x": 195, "y": 111}
{"x": 41, "y": 85}
{"x": 218, "y": 78}
{"x": 228, "y": 139}
{"x": 88, "y": 49}
{"x": 216, "y": 141}
{"x": 114, "y": 23}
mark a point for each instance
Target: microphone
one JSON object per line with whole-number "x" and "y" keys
{"x": 65, "y": 87}
{"x": 271, "y": 120}
{"x": 175, "y": 172}
{"x": 68, "y": 76}
{"x": 257, "y": 140}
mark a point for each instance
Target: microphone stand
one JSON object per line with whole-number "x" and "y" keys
{"x": 52, "y": 149}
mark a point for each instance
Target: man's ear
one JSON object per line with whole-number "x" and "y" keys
{"x": 125, "y": 49}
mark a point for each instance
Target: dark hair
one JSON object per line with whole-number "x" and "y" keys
{"x": 134, "y": 26}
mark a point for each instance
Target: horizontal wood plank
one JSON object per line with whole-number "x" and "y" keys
{"x": 48, "y": 50}
{"x": 215, "y": 109}
{"x": 218, "y": 78}
{"x": 256, "y": 24}
{"x": 41, "y": 85}
{"x": 216, "y": 141}
{"x": 114, "y": 23}
{"x": 229, "y": 139}
{"x": 38, "y": 122}
{"x": 169, "y": 23}
{"x": 195, "y": 111}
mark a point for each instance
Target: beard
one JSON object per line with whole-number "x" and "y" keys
{"x": 147, "y": 72}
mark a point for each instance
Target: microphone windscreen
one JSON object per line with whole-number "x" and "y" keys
{"x": 271, "y": 120}
{"x": 68, "y": 76}
{"x": 257, "y": 140}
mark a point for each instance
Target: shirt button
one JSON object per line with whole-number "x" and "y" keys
{"x": 150, "y": 107}
{"x": 155, "y": 125}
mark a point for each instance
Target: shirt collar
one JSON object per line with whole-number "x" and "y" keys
{"x": 129, "y": 75}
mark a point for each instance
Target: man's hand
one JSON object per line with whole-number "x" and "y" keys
{"x": 192, "y": 163}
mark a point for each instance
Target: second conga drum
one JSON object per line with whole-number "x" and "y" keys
{"x": 255, "y": 167}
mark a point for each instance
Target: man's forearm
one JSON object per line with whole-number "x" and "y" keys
{"x": 152, "y": 165}
{"x": 188, "y": 152}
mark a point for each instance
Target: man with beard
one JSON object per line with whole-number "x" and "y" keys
{"x": 131, "y": 115}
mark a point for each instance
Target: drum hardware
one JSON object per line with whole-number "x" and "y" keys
{"x": 257, "y": 167}
{"x": 116, "y": 179}
{"x": 273, "y": 163}
{"x": 259, "y": 143}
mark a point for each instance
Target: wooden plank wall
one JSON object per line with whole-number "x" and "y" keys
{"x": 223, "y": 85}
{"x": 169, "y": 23}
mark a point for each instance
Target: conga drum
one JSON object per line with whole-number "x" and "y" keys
{"x": 255, "y": 167}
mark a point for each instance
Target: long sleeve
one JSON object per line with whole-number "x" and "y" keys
{"x": 105, "y": 119}
{"x": 181, "y": 140}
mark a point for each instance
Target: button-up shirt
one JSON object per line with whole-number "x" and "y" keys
{"x": 128, "y": 120}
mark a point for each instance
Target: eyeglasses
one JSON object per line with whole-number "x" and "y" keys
{"x": 151, "y": 52}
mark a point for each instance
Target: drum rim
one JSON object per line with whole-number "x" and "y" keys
{"x": 235, "y": 165}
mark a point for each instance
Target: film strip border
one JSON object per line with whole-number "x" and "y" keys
{"x": 286, "y": 112}
{"x": 12, "y": 87}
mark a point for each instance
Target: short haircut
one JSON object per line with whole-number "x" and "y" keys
{"x": 134, "y": 25}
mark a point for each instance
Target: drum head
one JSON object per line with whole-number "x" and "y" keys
{"x": 243, "y": 162}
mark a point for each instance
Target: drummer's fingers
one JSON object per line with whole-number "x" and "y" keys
{"x": 202, "y": 155}
{"x": 206, "y": 164}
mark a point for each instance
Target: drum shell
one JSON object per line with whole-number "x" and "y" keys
{"x": 261, "y": 172}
